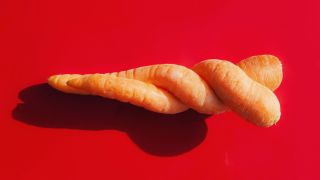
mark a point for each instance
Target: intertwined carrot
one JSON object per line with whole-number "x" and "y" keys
{"x": 210, "y": 87}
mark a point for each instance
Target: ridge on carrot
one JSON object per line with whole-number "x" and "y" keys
{"x": 210, "y": 87}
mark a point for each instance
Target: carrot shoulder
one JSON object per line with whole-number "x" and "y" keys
{"x": 265, "y": 69}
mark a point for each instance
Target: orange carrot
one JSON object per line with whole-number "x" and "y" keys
{"x": 170, "y": 88}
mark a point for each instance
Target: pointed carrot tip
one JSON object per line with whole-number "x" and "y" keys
{"x": 75, "y": 83}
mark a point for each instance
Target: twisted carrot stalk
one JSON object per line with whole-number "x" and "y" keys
{"x": 210, "y": 87}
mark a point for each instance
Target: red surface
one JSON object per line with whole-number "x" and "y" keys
{"x": 45, "y": 134}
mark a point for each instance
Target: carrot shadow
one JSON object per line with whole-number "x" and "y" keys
{"x": 157, "y": 134}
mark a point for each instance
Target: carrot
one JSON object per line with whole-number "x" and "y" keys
{"x": 170, "y": 88}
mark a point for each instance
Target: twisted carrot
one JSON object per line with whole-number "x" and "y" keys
{"x": 210, "y": 87}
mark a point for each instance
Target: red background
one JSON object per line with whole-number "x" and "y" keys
{"x": 45, "y": 134}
